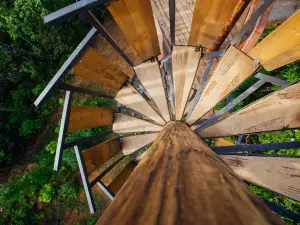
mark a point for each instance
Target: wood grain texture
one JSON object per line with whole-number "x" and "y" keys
{"x": 136, "y": 20}
{"x": 277, "y": 111}
{"x": 128, "y": 124}
{"x": 98, "y": 155}
{"x": 119, "y": 181}
{"x": 182, "y": 181}
{"x": 278, "y": 174}
{"x": 223, "y": 142}
{"x": 94, "y": 67}
{"x": 185, "y": 61}
{"x": 133, "y": 143}
{"x": 150, "y": 76}
{"x": 129, "y": 97}
{"x": 280, "y": 47}
{"x": 234, "y": 68}
{"x": 212, "y": 18}
{"x": 83, "y": 117}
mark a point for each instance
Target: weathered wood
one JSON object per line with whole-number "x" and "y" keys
{"x": 181, "y": 180}
{"x": 136, "y": 20}
{"x": 278, "y": 174}
{"x": 213, "y": 20}
{"x": 277, "y": 111}
{"x": 95, "y": 67}
{"x": 223, "y": 142}
{"x": 185, "y": 61}
{"x": 119, "y": 181}
{"x": 280, "y": 47}
{"x": 133, "y": 143}
{"x": 83, "y": 117}
{"x": 234, "y": 68}
{"x": 98, "y": 155}
{"x": 129, "y": 97}
{"x": 150, "y": 76}
{"x": 128, "y": 124}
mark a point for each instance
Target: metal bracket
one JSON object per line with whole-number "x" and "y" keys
{"x": 198, "y": 48}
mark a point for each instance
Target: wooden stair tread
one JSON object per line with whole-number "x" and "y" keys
{"x": 133, "y": 143}
{"x": 277, "y": 111}
{"x": 223, "y": 142}
{"x": 211, "y": 18}
{"x": 150, "y": 76}
{"x": 280, "y": 47}
{"x": 136, "y": 20}
{"x": 120, "y": 180}
{"x": 94, "y": 67}
{"x": 129, "y": 97}
{"x": 185, "y": 61}
{"x": 128, "y": 124}
{"x": 234, "y": 68}
{"x": 98, "y": 155}
{"x": 83, "y": 117}
{"x": 279, "y": 174}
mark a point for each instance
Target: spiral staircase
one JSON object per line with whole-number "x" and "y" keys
{"x": 178, "y": 87}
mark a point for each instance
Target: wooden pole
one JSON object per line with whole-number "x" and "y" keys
{"x": 182, "y": 181}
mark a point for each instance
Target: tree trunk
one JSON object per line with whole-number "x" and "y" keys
{"x": 182, "y": 181}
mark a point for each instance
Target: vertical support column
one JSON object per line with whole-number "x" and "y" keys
{"x": 182, "y": 181}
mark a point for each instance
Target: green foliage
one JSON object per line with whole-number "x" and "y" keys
{"x": 46, "y": 193}
{"x": 30, "y": 127}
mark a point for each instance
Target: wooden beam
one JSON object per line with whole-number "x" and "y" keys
{"x": 277, "y": 111}
{"x": 181, "y": 180}
{"x": 128, "y": 124}
{"x": 129, "y": 97}
{"x": 233, "y": 69}
{"x": 83, "y": 117}
{"x": 98, "y": 155}
{"x": 280, "y": 47}
{"x": 213, "y": 20}
{"x": 185, "y": 61}
{"x": 150, "y": 76}
{"x": 278, "y": 174}
{"x": 96, "y": 68}
{"x": 223, "y": 142}
{"x": 136, "y": 20}
{"x": 133, "y": 143}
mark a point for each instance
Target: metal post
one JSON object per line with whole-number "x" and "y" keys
{"x": 172, "y": 21}
{"x": 85, "y": 181}
{"x": 62, "y": 130}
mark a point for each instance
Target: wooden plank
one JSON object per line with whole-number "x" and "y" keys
{"x": 279, "y": 174}
{"x": 98, "y": 155}
{"x": 136, "y": 20}
{"x": 94, "y": 67}
{"x": 150, "y": 76}
{"x": 129, "y": 97}
{"x": 134, "y": 143}
{"x": 128, "y": 124}
{"x": 223, "y": 142}
{"x": 234, "y": 68}
{"x": 185, "y": 61}
{"x": 119, "y": 181}
{"x": 212, "y": 18}
{"x": 280, "y": 47}
{"x": 83, "y": 117}
{"x": 277, "y": 111}
{"x": 182, "y": 181}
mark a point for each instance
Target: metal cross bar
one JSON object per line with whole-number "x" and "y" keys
{"x": 170, "y": 81}
{"x": 256, "y": 147}
{"x": 84, "y": 140}
{"x": 85, "y": 181}
{"x": 172, "y": 21}
{"x": 218, "y": 53}
{"x": 62, "y": 130}
{"x": 109, "y": 194}
{"x": 254, "y": 17}
{"x": 65, "y": 86}
{"x": 73, "y": 9}
{"x": 199, "y": 91}
{"x": 262, "y": 80}
{"x": 282, "y": 211}
{"x": 90, "y": 17}
{"x": 65, "y": 67}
